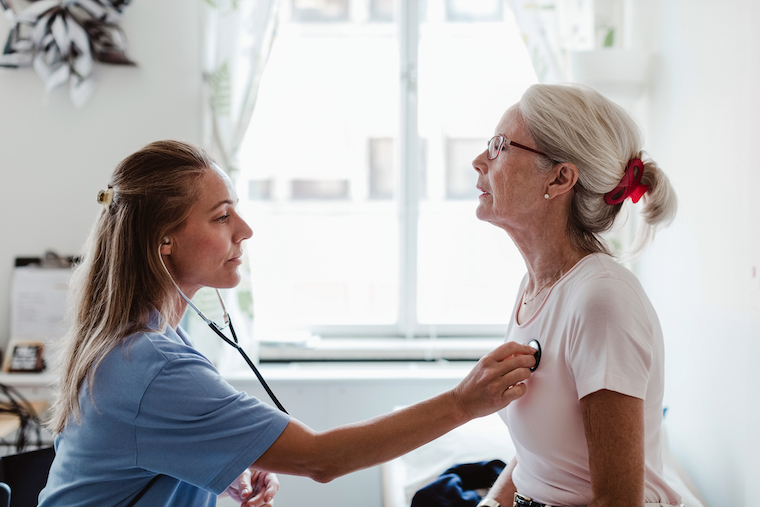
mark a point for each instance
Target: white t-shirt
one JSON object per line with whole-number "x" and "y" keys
{"x": 597, "y": 330}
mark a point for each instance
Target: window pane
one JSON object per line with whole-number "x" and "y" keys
{"x": 381, "y": 169}
{"x": 382, "y": 10}
{"x": 319, "y": 10}
{"x": 467, "y": 270}
{"x": 319, "y": 189}
{"x": 461, "y": 179}
{"x": 259, "y": 190}
{"x": 325, "y": 249}
{"x": 474, "y": 10}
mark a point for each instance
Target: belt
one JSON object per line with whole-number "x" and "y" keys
{"x": 526, "y": 501}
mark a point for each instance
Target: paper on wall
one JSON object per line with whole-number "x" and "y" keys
{"x": 38, "y": 303}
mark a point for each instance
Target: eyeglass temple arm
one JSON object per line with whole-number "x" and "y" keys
{"x": 527, "y": 148}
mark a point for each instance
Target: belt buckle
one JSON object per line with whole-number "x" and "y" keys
{"x": 521, "y": 500}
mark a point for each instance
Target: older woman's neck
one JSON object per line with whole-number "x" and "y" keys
{"x": 547, "y": 249}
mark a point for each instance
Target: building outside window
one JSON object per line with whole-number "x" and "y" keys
{"x": 304, "y": 11}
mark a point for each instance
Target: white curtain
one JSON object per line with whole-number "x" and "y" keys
{"x": 237, "y": 37}
{"x": 552, "y": 29}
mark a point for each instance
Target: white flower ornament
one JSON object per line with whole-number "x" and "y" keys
{"x": 61, "y": 38}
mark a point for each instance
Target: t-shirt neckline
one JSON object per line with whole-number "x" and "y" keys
{"x": 548, "y": 294}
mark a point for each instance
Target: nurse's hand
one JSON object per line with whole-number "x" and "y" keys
{"x": 254, "y": 488}
{"x": 496, "y": 381}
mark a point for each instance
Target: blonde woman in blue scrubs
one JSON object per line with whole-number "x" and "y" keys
{"x": 142, "y": 418}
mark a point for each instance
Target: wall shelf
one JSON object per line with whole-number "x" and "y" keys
{"x": 27, "y": 379}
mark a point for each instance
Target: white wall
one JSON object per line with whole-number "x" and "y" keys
{"x": 703, "y": 127}
{"x": 699, "y": 272}
{"x": 54, "y": 158}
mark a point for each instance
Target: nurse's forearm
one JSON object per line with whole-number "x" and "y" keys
{"x": 495, "y": 381}
{"x": 333, "y": 453}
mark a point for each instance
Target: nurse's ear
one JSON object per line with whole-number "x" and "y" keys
{"x": 166, "y": 246}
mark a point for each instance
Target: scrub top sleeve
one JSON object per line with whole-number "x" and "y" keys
{"x": 194, "y": 426}
{"x": 612, "y": 341}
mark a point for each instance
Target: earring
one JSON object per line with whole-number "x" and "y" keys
{"x": 546, "y": 196}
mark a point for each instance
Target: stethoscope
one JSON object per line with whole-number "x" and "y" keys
{"x": 218, "y": 330}
{"x": 537, "y": 355}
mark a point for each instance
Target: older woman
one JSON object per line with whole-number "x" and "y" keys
{"x": 555, "y": 176}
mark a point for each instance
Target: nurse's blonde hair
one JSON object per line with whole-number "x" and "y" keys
{"x": 120, "y": 277}
{"x": 573, "y": 123}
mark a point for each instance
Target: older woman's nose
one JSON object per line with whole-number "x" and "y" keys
{"x": 480, "y": 163}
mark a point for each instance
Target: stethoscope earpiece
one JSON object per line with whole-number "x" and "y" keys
{"x": 537, "y": 355}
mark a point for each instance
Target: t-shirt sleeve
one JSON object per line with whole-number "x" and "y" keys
{"x": 611, "y": 343}
{"x": 214, "y": 431}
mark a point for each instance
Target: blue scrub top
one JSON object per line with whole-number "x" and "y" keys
{"x": 162, "y": 413}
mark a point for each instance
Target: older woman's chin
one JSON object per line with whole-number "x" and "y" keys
{"x": 483, "y": 213}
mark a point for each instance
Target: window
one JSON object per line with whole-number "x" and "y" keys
{"x": 381, "y": 10}
{"x": 319, "y": 189}
{"x": 304, "y": 11}
{"x": 259, "y": 190}
{"x": 461, "y": 179}
{"x": 360, "y": 186}
{"x": 381, "y": 185}
{"x": 473, "y": 10}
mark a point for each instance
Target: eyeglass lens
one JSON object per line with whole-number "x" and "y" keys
{"x": 494, "y": 145}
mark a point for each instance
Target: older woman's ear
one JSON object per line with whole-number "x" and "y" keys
{"x": 563, "y": 177}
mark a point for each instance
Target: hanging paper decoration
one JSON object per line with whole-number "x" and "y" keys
{"x": 62, "y": 38}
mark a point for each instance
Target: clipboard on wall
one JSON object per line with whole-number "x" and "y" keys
{"x": 39, "y": 291}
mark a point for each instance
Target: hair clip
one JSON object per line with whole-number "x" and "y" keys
{"x": 630, "y": 185}
{"x": 105, "y": 197}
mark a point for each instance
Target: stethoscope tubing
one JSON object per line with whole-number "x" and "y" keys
{"x": 255, "y": 370}
{"x": 218, "y": 330}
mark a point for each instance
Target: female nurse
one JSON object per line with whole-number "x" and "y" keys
{"x": 142, "y": 418}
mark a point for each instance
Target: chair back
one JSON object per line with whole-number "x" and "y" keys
{"x": 5, "y": 495}
{"x": 26, "y": 474}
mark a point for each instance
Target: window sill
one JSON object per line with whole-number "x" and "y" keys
{"x": 298, "y": 372}
{"x": 377, "y": 349}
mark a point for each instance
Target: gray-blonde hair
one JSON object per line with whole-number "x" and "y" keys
{"x": 121, "y": 278}
{"x": 573, "y": 123}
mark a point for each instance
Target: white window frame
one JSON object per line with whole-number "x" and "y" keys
{"x": 408, "y": 339}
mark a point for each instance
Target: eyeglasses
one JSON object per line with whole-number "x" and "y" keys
{"x": 218, "y": 330}
{"x": 498, "y": 141}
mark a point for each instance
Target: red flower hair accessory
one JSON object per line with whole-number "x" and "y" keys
{"x": 630, "y": 185}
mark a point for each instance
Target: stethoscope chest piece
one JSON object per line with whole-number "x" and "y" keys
{"x": 537, "y": 355}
